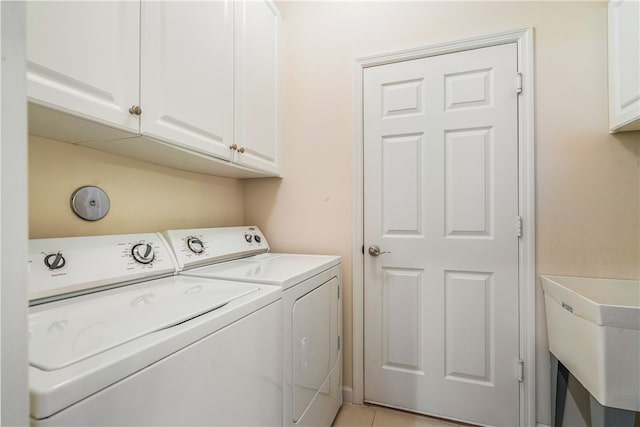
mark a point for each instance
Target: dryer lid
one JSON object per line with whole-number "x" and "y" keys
{"x": 272, "y": 269}
{"x": 65, "y": 332}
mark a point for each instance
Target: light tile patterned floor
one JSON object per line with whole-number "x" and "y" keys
{"x": 378, "y": 416}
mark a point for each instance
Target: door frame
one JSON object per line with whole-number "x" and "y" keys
{"x": 526, "y": 204}
{"x": 14, "y": 226}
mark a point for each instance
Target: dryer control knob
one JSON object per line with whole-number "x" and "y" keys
{"x": 54, "y": 261}
{"x": 248, "y": 238}
{"x": 195, "y": 245}
{"x": 143, "y": 253}
{"x": 257, "y": 238}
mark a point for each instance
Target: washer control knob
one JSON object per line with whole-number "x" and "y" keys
{"x": 257, "y": 238}
{"x": 248, "y": 238}
{"x": 143, "y": 253}
{"x": 195, "y": 245}
{"x": 54, "y": 261}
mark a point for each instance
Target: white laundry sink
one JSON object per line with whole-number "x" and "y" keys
{"x": 594, "y": 330}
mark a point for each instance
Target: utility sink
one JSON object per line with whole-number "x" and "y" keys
{"x": 594, "y": 330}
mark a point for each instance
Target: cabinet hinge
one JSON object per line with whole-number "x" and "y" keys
{"x": 338, "y": 342}
{"x": 519, "y": 83}
{"x": 362, "y": 249}
{"x": 520, "y": 370}
{"x": 338, "y": 292}
{"x": 519, "y": 226}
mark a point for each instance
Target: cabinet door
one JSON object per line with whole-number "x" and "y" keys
{"x": 83, "y": 59}
{"x": 624, "y": 65}
{"x": 256, "y": 89}
{"x": 187, "y": 74}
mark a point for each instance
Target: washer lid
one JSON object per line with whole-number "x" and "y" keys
{"x": 63, "y": 333}
{"x": 272, "y": 269}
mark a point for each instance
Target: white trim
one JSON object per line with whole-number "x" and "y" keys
{"x": 542, "y": 425}
{"x": 347, "y": 395}
{"x": 524, "y": 39}
{"x": 513, "y": 36}
{"x": 14, "y": 401}
{"x": 527, "y": 253}
{"x": 357, "y": 259}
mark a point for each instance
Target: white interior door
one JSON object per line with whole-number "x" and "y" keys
{"x": 441, "y": 196}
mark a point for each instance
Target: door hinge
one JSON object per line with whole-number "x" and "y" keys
{"x": 519, "y": 226}
{"x": 520, "y": 370}
{"x": 519, "y": 83}
{"x": 338, "y": 342}
{"x": 338, "y": 292}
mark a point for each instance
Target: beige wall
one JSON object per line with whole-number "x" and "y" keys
{"x": 588, "y": 186}
{"x": 144, "y": 197}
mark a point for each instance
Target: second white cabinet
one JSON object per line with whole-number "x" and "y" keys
{"x": 191, "y": 85}
{"x": 256, "y": 85}
{"x": 186, "y": 74}
{"x": 624, "y": 65}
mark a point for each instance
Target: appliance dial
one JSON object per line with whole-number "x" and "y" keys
{"x": 195, "y": 245}
{"x": 54, "y": 261}
{"x": 143, "y": 253}
{"x": 257, "y": 238}
{"x": 248, "y": 238}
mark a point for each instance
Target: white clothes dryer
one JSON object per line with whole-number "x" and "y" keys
{"x": 312, "y": 313}
{"x": 115, "y": 338}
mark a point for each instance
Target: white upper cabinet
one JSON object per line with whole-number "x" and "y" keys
{"x": 187, "y": 74}
{"x": 624, "y": 65}
{"x": 83, "y": 59}
{"x": 256, "y": 88}
{"x": 191, "y": 85}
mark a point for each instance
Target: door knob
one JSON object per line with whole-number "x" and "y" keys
{"x": 375, "y": 251}
{"x": 135, "y": 110}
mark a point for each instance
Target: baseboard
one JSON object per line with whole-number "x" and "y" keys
{"x": 347, "y": 395}
{"x": 542, "y": 425}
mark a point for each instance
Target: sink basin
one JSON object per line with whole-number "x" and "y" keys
{"x": 594, "y": 330}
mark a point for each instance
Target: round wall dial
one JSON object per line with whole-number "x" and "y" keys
{"x": 90, "y": 203}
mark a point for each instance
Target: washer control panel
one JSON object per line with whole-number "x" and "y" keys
{"x": 194, "y": 247}
{"x": 77, "y": 264}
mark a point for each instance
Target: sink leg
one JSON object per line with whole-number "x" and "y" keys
{"x": 559, "y": 382}
{"x": 605, "y": 416}
{"x": 554, "y": 378}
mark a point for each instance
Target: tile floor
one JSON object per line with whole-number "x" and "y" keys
{"x": 378, "y": 416}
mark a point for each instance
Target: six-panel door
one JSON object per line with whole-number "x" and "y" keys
{"x": 441, "y": 196}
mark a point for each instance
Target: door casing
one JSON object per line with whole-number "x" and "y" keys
{"x": 526, "y": 204}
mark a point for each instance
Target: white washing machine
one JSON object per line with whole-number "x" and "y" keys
{"x": 116, "y": 338}
{"x": 312, "y": 314}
